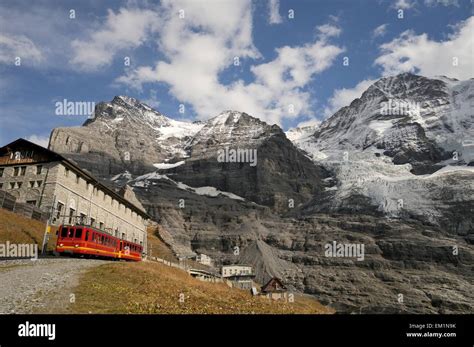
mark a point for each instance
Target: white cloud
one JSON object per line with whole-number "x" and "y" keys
{"x": 44, "y": 31}
{"x": 442, "y": 2}
{"x": 379, "y": 31}
{"x": 344, "y": 96}
{"x": 12, "y": 46}
{"x": 328, "y": 30}
{"x": 274, "y": 12}
{"x": 39, "y": 140}
{"x": 204, "y": 44}
{"x": 126, "y": 29}
{"x": 404, "y": 4}
{"x": 418, "y": 53}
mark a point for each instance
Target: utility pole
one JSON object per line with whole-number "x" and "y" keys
{"x": 47, "y": 230}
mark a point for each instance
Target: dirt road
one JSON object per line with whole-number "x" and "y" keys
{"x": 43, "y": 285}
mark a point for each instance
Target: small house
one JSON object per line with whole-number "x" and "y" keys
{"x": 275, "y": 289}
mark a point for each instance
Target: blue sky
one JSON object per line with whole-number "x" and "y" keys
{"x": 290, "y": 70}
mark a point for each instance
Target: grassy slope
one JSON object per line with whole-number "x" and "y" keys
{"x": 19, "y": 229}
{"x": 149, "y": 287}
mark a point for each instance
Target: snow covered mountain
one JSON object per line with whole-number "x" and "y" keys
{"x": 124, "y": 134}
{"x": 386, "y": 150}
{"x": 410, "y": 118}
{"x": 392, "y": 171}
{"x": 300, "y": 134}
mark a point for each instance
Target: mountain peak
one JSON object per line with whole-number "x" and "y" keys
{"x": 127, "y": 101}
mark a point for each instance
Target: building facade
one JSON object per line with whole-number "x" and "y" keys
{"x": 234, "y": 270}
{"x": 38, "y": 176}
{"x": 204, "y": 259}
{"x": 275, "y": 289}
{"x": 240, "y": 276}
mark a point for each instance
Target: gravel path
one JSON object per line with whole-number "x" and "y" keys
{"x": 28, "y": 286}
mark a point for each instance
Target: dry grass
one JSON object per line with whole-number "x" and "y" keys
{"x": 149, "y": 287}
{"x": 158, "y": 247}
{"x": 16, "y": 228}
{"x": 153, "y": 288}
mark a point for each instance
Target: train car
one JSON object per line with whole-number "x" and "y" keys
{"x": 89, "y": 241}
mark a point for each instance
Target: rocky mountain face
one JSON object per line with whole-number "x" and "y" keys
{"x": 123, "y": 134}
{"x": 403, "y": 149}
{"x": 410, "y": 118}
{"x": 279, "y": 174}
{"x": 392, "y": 172}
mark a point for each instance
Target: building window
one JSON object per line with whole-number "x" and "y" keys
{"x": 66, "y": 172}
{"x": 101, "y": 225}
{"x": 59, "y": 210}
{"x": 71, "y": 215}
{"x": 19, "y": 184}
{"x": 39, "y": 169}
{"x": 31, "y": 202}
{"x": 1, "y": 185}
{"x": 93, "y": 222}
{"x": 82, "y": 218}
{"x": 77, "y": 179}
{"x": 16, "y": 171}
{"x": 32, "y": 184}
{"x": 39, "y": 183}
{"x": 1, "y": 172}
{"x": 22, "y": 170}
{"x": 11, "y": 185}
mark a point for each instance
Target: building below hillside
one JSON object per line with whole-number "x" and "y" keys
{"x": 204, "y": 259}
{"x": 275, "y": 289}
{"x": 240, "y": 276}
{"x": 43, "y": 178}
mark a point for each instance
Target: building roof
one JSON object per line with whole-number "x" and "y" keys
{"x": 53, "y": 156}
{"x": 275, "y": 285}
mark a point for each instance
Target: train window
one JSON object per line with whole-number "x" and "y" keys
{"x": 78, "y": 233}
{"x": 102, "y": 239}
{"x": 87, "y": 235}
{"x": 70, "y": 232}
{"x": 63, "y": 232}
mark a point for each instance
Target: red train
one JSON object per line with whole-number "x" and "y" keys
{"x": 86, "y": 240}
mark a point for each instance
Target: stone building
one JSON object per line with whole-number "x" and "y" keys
{"x": 46, "y": 179}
